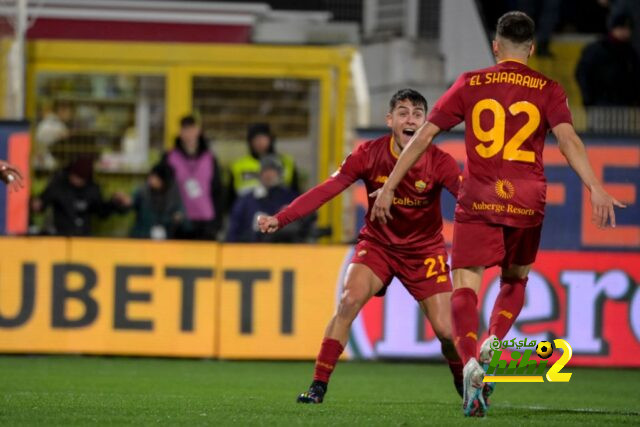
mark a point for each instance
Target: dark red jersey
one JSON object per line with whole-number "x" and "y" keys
{"x": 508, "y": 110}
{"x": 417, "y": 220}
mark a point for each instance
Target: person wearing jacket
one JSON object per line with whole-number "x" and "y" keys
{"x": 609, "y": 69}
{"x": 157, "y": 205}
{"x": 266, "y": 199}
{"x": 245, "y": 171}
{"x": 197, "y": 176}
{"x": 75, "y": 197}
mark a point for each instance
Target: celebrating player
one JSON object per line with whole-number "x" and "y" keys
{"x": 410, "y": 247}
{"x": 508, "y": 109}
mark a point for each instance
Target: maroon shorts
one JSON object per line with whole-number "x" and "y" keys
{"x": 486, "y": 245}
{"x": 423, "y": 274}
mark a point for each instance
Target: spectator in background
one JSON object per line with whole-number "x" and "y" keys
{"x": 197, "y": 176}
{"x": 546, "y": 14}
{"x": 267, "y": 198}
{"x": 75, "y": 197}
{"x": 608, "y": 71}
{"x": 245, "y": 171}
{"x": 630, "y": 7}
{"x": 51, "y": 130}
{"x": 157, "y": 206}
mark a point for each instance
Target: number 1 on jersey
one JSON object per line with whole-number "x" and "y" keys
{"x": 431, "y": 264}
{"x": 496, "y": 134}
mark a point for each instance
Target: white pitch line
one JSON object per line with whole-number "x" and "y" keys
{"x": 577, "y": 410}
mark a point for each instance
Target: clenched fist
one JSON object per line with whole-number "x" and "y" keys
{"x": 267, "y": 224}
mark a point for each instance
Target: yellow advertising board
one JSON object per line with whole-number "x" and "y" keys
{"x": 26, "y": 267}
{"x": 102, "y": 296}
{"x": 275, "y": 301}
{"x": 150, "y": 298}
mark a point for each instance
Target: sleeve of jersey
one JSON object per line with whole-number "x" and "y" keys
{"x": 449, "y": 110}
{"x": 557, "y": 110}
{"x": 449, "y": 173}
{"x": 322, "y": 193}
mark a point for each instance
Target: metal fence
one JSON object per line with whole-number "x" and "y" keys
{"x": 608, "y": 120}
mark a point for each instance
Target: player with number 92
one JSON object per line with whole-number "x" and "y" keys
{"x": 508, "y": 109}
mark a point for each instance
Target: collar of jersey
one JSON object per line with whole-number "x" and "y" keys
{"x": 511, "y": 60}
{"x": 391, "y": 141}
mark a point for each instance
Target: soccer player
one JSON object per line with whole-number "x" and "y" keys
{"x": 410, "y": 247}
{"x": 507, "y": 109}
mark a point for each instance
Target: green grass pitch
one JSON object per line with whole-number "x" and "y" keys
{"x": 73, "y": 390}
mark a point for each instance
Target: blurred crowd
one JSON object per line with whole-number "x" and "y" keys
{"x": 608, "y": 69}
{"x": 186, "y": 195}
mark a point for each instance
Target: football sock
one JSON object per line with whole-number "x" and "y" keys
{"x": 455, "y": 364}
{"x": 464, "y": 312}
{"x": 507, "y": 306}
{"x": 330, "y": 351}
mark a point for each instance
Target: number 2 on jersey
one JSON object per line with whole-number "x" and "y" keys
{"x": 495, "y": 135}
{"x": 431, "y": 263}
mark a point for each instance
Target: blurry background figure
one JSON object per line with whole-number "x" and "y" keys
{"x": 267, "y": 198}
{"x": 609, "y": 69}
{"x": 245, "y": 171}
{"x": 157, "y": 206}
{"x": 74, "y": 198}
{"x": 546, "y": 14}
{"x": 197, "y": 176}
{"x": 51, "y": 130}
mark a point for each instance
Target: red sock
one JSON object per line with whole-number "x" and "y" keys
{"x": 507, "y": 306}
{"x": 464, "y": 312}
{"x": 455, "y": 364}
{"x": 327, "y": 358}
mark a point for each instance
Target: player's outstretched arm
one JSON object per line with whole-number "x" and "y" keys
{"x": 410, "y": 154}
{"x": 11, "y": 176}
{"x": 303, "y": 205}
{"x": 573, "y": 149}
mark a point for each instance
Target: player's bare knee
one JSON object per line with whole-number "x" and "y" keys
{"x": 350, "y": 304}
{"x": 468, "y": 277}
{"x": 442, "y": 329}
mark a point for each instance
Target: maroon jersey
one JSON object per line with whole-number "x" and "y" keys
{"x": 417, "y": 220}
{"x": 508, "y": 110}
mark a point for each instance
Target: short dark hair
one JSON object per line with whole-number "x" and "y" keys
{"x": 256, "y": 129}
{"x": 620, "y": 19}
{"x": 517, "y": 27}
{"x": 414, "y": 96}
{"x": 163, "y": 171}
{"x": 187, "y": 121}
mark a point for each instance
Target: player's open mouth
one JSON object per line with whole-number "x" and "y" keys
{"x": 408, "y": 132}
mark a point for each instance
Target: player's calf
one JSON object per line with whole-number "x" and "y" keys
{"x": 454, "y": 362}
